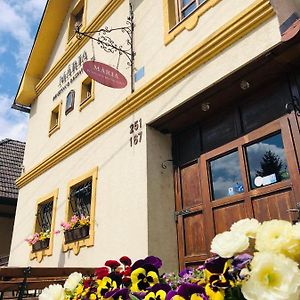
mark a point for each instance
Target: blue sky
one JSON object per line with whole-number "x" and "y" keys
{"x": 18, "y": 24}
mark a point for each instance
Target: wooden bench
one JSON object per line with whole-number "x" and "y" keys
{"x": 19, "y": 283}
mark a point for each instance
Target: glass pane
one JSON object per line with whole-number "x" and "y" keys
{"x": 266, "y": 162}
{"x": 226, "y": 176}
{"x": 189, "y": 10}
{"x": 185, "y": 2}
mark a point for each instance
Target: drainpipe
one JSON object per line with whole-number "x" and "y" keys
{"x": 288, "y": 14}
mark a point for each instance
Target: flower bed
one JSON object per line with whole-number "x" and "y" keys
{"x": 271, "y": 273}
{"x": 76, "y": 234}
{"x": 40, "y": 245}
{"x": 39, "y": 240}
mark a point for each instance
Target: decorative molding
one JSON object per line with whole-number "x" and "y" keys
{"x": 39, "y": 255}
{"x": 89, "y": 241}
{"x": 73, "y": 48}
{"x": 172, "y": 29}
{"x": 232, "y": 31}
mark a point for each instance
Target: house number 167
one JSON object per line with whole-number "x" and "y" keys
{"x": 136, "y": 132}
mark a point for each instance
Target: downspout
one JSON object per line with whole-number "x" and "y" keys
{"x": 288, "y": 14}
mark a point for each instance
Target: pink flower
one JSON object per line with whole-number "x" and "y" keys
{"x": 74, "y": 219}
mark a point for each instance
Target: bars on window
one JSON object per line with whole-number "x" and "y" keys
{"x": 44, "y": 215}
{"x": 80, "y": 198}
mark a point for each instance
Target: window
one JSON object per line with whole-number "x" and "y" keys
{"x": 81, "y": 203}
{"x": 183, "y": 14}
{"x": 87, "y": 92}
{"x": 267, "y": 162}
{"x": 226, "y": 176}
{"x": 70, "y": 102}
{"x": 77, "y": 19}
{"x": 186, "y": 7}
{"x": 55, "y": 119}
{"x": 44, "y": 223}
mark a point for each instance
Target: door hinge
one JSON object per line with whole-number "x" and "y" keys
{"x": 181, "y": 213}
{"x": 296, "y": 210}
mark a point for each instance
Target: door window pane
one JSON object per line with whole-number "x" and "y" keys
{"x": 267, "y": 162}
{"x": 226, "y": 176}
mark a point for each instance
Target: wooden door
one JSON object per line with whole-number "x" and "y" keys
{"x": 256, "y": 175}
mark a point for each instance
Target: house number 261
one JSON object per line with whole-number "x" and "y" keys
{"x": 136, "y": 132}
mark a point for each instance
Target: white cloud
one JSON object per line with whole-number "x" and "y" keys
{"x": 17, "y": 20}
{"x": 13, "y": 124}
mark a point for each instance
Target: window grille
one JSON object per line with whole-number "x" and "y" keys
{"x": 44, "y": 215}
{"x": 80, "y": 198}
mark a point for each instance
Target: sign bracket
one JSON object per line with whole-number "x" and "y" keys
{"x": 109, "y": 45}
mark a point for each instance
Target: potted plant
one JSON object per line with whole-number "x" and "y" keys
{"x": 76, "y": 229}
{"x": 39, "y": 240}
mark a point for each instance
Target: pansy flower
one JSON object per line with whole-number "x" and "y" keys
{"x": 113, "y": 264}
{"x": 118, "y": 294}
{"x": 188, "y": 291}
{"x": 158, "y": 292}
{"x": 143, "y": 278}
{"x": 125, "y": 260}
{"x": 217, "y": 274}
{"x": 101, "y": 272}
{"x": 106, "y": 284}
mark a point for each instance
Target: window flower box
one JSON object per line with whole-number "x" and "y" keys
{"x": 40, "y": 245}
{"x": 76, "y": 234}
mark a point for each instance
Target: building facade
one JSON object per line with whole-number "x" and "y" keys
{"x": 203, "y": 134}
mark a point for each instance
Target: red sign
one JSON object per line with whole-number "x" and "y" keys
{"x": 104, "y": 74}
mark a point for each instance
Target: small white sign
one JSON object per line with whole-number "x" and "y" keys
{"x": 258, "y": 181}
{"x": 269, "y": 179}
{"x": 266, "y": 180}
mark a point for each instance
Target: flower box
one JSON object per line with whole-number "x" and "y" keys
{"x": 76, "y": 234}
{"x": 40, "y": 245}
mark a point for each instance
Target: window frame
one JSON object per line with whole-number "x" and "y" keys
{"x": 84, "y": 101}
{"x": 173, "y": 25}
{"x": 70, "y": 106}
{"x": 39, "y": 255}
{"x": 56, "y": 110}
{"x": 80, "y": 5}
{"x": 88, "y": 241}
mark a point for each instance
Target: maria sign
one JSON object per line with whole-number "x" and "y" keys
{"x": 104, "y": 74}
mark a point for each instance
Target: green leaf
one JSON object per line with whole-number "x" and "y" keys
{"x": 234, "y": 293}
{"x": 132, "y": 297}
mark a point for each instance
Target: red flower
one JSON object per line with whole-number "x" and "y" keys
{"x": 126, "y": 281}
{"x": 112, "y": 264}
{"x": 101, "y": 272}
{"x": 87, "y": 282}
{"x": 127, "y": 271}
{"x": 125, "y": 260}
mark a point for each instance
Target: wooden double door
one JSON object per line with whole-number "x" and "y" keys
{"x": 253, "y": 176}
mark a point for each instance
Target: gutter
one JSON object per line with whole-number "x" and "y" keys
{"x": 19, "y": 107}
